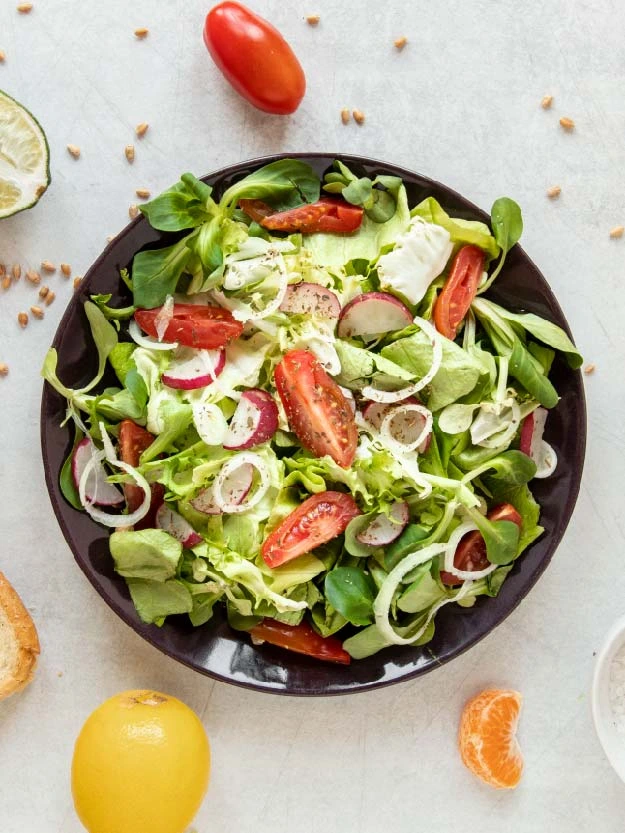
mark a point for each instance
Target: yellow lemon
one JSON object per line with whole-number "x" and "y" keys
{"x": 141, "y": 765}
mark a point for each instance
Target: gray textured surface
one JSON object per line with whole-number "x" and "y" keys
{"x": 460, "y": 104}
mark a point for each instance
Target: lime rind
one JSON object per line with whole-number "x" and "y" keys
{"x": 24, "y": 158}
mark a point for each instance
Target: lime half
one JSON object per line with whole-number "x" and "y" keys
{"x": 24, "y": 158}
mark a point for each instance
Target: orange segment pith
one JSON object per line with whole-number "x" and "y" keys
{"x": 487, "y": 740}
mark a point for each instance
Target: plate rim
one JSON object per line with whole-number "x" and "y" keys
{"x": 262, "y": 686}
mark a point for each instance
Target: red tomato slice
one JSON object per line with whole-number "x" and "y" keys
{"x": 326, "y": 215}
{"x": 471, "y": 551}
{"x": 254, "y": 57}
{"x": 302, "y": 639}
{"x": 319, "y": 519}
{"x": 193, "y": 325}
{"x": 315, "y": 407}
{"x": 459, "y": 290}
{"x": 133, "y": 441}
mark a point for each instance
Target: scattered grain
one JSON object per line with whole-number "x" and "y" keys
{"x": 66, "y": 269}
{"x": 133, "y": 211}
{"x": 143, "y": 193}
{"x": 617, "y": 232}
{"x": 546, "y": 102}
{"x": 589, "y": 368}
{"x": 37, "y": 312}
{"x": 3, "y": 56}
{"x": 50, "y": 298}
{"x": 142, "y": 129}
{"x": 74, "y": 151}
{"x": 313, "y": 19}
{"x": 129, "y": 152}
{"x": 77, "y": 281}
{"x": 4, "y": 369}
{"x": 110, "y": 238}
{"x": 25, "y": 8}
{"x": 16, "y": 271}
{"x": 33, "y": 277}
{"x": 22, "y": 319}
{"x": 554, "y": 192}
{"x": 345, "y": 115}
{"x": 6, "y": 282}
{"x": 48, "y": 266}
{"x": 141, "y": 33}
{"x": 359, "y": 116}
{"x": 43, "y": 292}
{"x": 566, "y": 123}
{"x": 400, "y": 43}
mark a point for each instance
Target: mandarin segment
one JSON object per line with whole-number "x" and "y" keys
{"x": 487, "y": 737}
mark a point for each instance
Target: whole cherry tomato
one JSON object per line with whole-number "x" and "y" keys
{"x": 254, "y": 57}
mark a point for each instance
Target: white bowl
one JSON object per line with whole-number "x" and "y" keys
{"x": 613, "y": 742}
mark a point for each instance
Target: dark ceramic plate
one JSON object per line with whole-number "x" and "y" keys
{"x": 215, "y": 649}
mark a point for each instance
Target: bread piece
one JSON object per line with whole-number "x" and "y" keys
{"x": 19, "y": 644}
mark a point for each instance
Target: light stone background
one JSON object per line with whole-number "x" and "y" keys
{"x": 461, "y": 104}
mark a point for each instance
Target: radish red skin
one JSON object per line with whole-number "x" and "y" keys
{"x": 204, "y": 501}
{"x": 527, "y": 433}
{"x": 170, "y": 521}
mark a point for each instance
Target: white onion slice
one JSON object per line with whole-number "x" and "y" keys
{"x": 164, "y": 316}
{"x": 386, "y": 427}
{"x": 384, "y": 598}
{"x": 100, "y": 515}
{"x": 146, "y": 341}
{"x": 452, "y": 545}
{"x": 249, "y": 458}
{"x": 386, "y": 396}
{"x": 501, "y": 437}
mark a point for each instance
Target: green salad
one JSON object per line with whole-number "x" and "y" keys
{"x": 311, "y": 414}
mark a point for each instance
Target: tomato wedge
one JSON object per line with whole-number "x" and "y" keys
{"x": 302, "y": 639}
{"x": 471, "y": 551}
{"x": 327, "y": 214}
{"x": 255, "y": 58}
{"x": 459, "y": 290}
{"x": 193, "y": 325}
{"x": 320, "y": 518}
{"x": 133, "y": 441}
{"x": 316, "y": 408}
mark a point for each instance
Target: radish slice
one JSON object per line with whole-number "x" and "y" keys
{"x": 408, "y": 426}
{"x": 311, "y": 299}
{"x": 376, "y": 395}
{"x": 452, "y": 545}
{"x": 534, "y": 446}
{"x": 235, "y": 486}
{"x": 210, "y": 423}
{"x": 98, "y": 491}
{"x": 385, "y": 528}
{"x": 246, "y": 461}
{"x": 403, "y": 432}
{"x": 99, "y": 515}
{"x": 179, "y": 528}
{"x": 164, "y": 316}
{"x": 147, "y": 341}
{"x": 372, "y": 314}
{"x": 194, "y": 369}
{"x": 254, "y": 422}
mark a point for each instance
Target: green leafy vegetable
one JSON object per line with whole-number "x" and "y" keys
{"x": 507, "y": 223}
{"x": 146, "y": 553}
{"x": 155, "y": 600}
{"x": 349, "y": 592}
{"x": 187, "y": 204}
{"x": 156, "y": 272}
